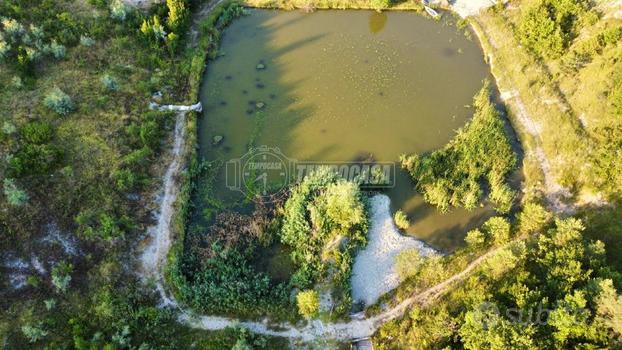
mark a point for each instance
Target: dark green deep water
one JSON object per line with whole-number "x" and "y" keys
{"x": 341, "y": 86}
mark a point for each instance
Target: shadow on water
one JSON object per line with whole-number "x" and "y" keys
{"x": 338, "y": 86}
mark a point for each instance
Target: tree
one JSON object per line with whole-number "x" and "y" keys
{"x": 485, "y": 328}
{"x": 475, "y": 238}
{"x": 308, "y": 303}
{"x": 498, "y": 229}
{"x": 532, "y": 218}
{"x": 609, "y": 307}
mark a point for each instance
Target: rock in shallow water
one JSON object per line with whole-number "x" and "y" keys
{"x": 217, "y": 140}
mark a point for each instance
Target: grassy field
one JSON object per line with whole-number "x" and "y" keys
{"x": 559, "y": 105}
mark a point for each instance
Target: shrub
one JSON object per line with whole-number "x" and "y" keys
{"x": 57, "y": 50}
{"x": 380, "y": 4}
{"x": 532, "y": 218}
{"x": 119, "y": 10}
{"x": 109, "y": 83}
{"x": 86, "y": 41}
{"x": 549, "y": 26}
{"x": 615, "y": 98}
{"x": 12, "y": 27}
{"x": 17, "y": 82}
{"x": 401, "y": 220}
{"x": 4, "y": 50}
{"x": 8, "y": 128}
{"x": 34, "y": 333}
{"x": 475, "y": 238}
{"x": 37, "y": 133}
{"x": 612, "y": 35}
{"x": 497, "y": 228}
{"x": 308, "y": 303}
{"x": 153, "y": 29}
{"x": 14, "y": 195}
{"x": 59, "y": 102}
{"x": 408, "y": 263}
{"x": 61, "y": 276}
{"x": 177, "y": 13}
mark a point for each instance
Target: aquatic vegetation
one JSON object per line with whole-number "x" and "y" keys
{"x": 480, "y": 151}
{"x": 401, "y": 220}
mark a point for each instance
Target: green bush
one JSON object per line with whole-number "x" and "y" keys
{"x": 475, "y": 238}
{"x": 381, "y": 4}
{"x": 308, "y": 302}
{"x": 119, "y": 10}
{"x": 34, "y": 333}
{"x": 401, "y": 220}
{"x": 61, "y": 276}
{"x": 498, "y": 229}
{"x": 109, "y": 83}
{"x": 59, "y": 102}
{"x": 13, "y": 194}
{"x": 549, "y": 26}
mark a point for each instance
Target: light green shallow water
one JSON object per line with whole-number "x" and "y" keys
{"x": 343, "y": 85}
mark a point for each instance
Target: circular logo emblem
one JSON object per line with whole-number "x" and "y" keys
{"x": 265, "y": 172}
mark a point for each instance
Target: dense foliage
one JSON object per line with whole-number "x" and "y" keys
{"x": 551, "y": 291}
{"x": 79, "y": 149}
{"x": 480, "y": 151}
{"x": 216, "y": 274}
{"x": 325, "y": 222}
{"x": 548, "y": 27}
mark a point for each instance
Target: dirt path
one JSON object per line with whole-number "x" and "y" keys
{"x": 465, "y": 8}
{"x": 154, "y": 258}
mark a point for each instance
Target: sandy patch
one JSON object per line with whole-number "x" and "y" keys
{"x": 373, "y": 273}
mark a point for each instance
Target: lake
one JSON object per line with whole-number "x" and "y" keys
{"x": 344, "y": 86}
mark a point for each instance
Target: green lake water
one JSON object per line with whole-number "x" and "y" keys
{"x": 342, "y": 86}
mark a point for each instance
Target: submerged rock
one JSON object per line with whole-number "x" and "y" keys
{"x": 217, "y": 140}
{"x": 260, "y": 85}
